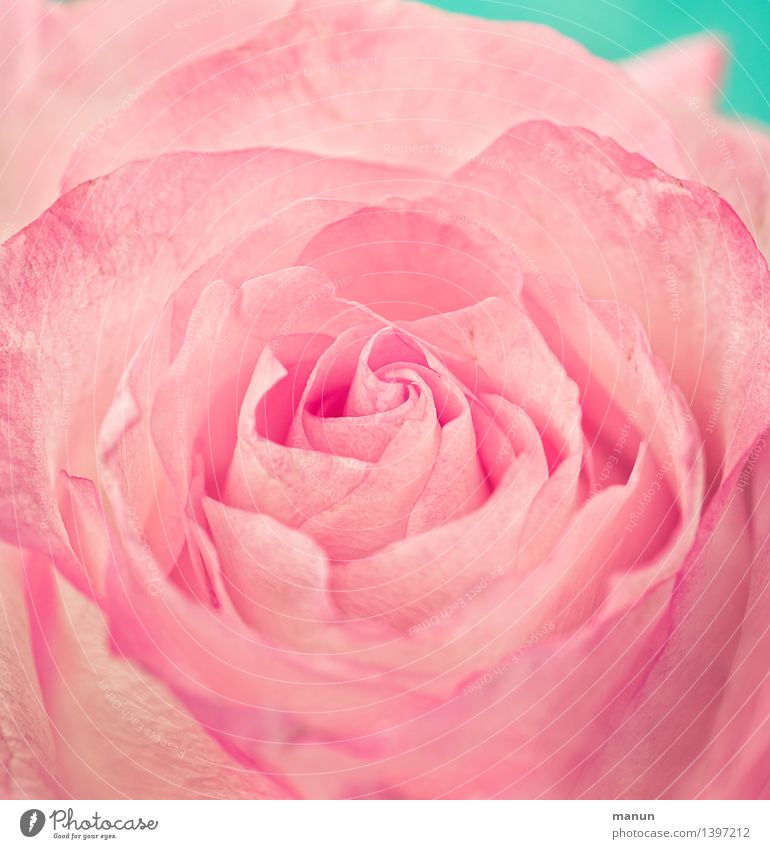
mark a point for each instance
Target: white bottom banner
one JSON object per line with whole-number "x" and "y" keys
{"x": 385, "y": 825}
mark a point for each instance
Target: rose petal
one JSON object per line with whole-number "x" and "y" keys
{"x": 412, "y": 578}
{"x": 27, "y": 750}
{"x": 705, "y": 694}
{"x": 119, "y": 733}
{"x": 632, "y": 234}
{"x": 97, "y": 269}
{"x": 276, "y": 576}
{"x": 496, "y": 348}
{"x": 729, "y": 154}
{"x": 405, "y": 262}
{"x": 691, "y": 68}
{"x": 306, "y": 82}
{"x": 72, "y": 69}
{"x": 287, "y": 481}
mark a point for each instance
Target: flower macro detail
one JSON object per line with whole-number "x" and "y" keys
{"x": 385, "y": 406}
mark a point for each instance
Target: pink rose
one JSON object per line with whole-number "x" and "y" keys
{"x": 385, "y": 407}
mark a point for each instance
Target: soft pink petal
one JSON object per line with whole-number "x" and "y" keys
{"x": 28, "y": 758}
{"x": 376, "y": 510}
{"x": 118, "y": 733}
{"x": 276, "y": 576}
{"x": 68, "y": 71}
{"x": 732, "y": 156}
{"x": 407, "y": 260}
{"x": 384, "y": 81}
{"x": 633, "y": 532}
{"x": 494, "y": 347}
{"x": 459, "y": 481}
{"x": 82, "y": 285}
{"x": 413, "y": 578}
{"x": 688, "y": 70}
{"x": 702, "y": 709}
{"x": 729, "y": 154}
{"x": 673, "y": 251}
{"x": 285, "y": 476}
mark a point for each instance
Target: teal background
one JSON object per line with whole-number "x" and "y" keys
{"x": 617, "y": 30}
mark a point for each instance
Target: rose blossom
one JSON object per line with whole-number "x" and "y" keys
{"x": 385, "y": 410}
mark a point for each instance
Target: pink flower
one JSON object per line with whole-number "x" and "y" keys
{"x": 385, "y": 407}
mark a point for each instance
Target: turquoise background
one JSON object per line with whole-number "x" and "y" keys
{"x": 617, "y": 30}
